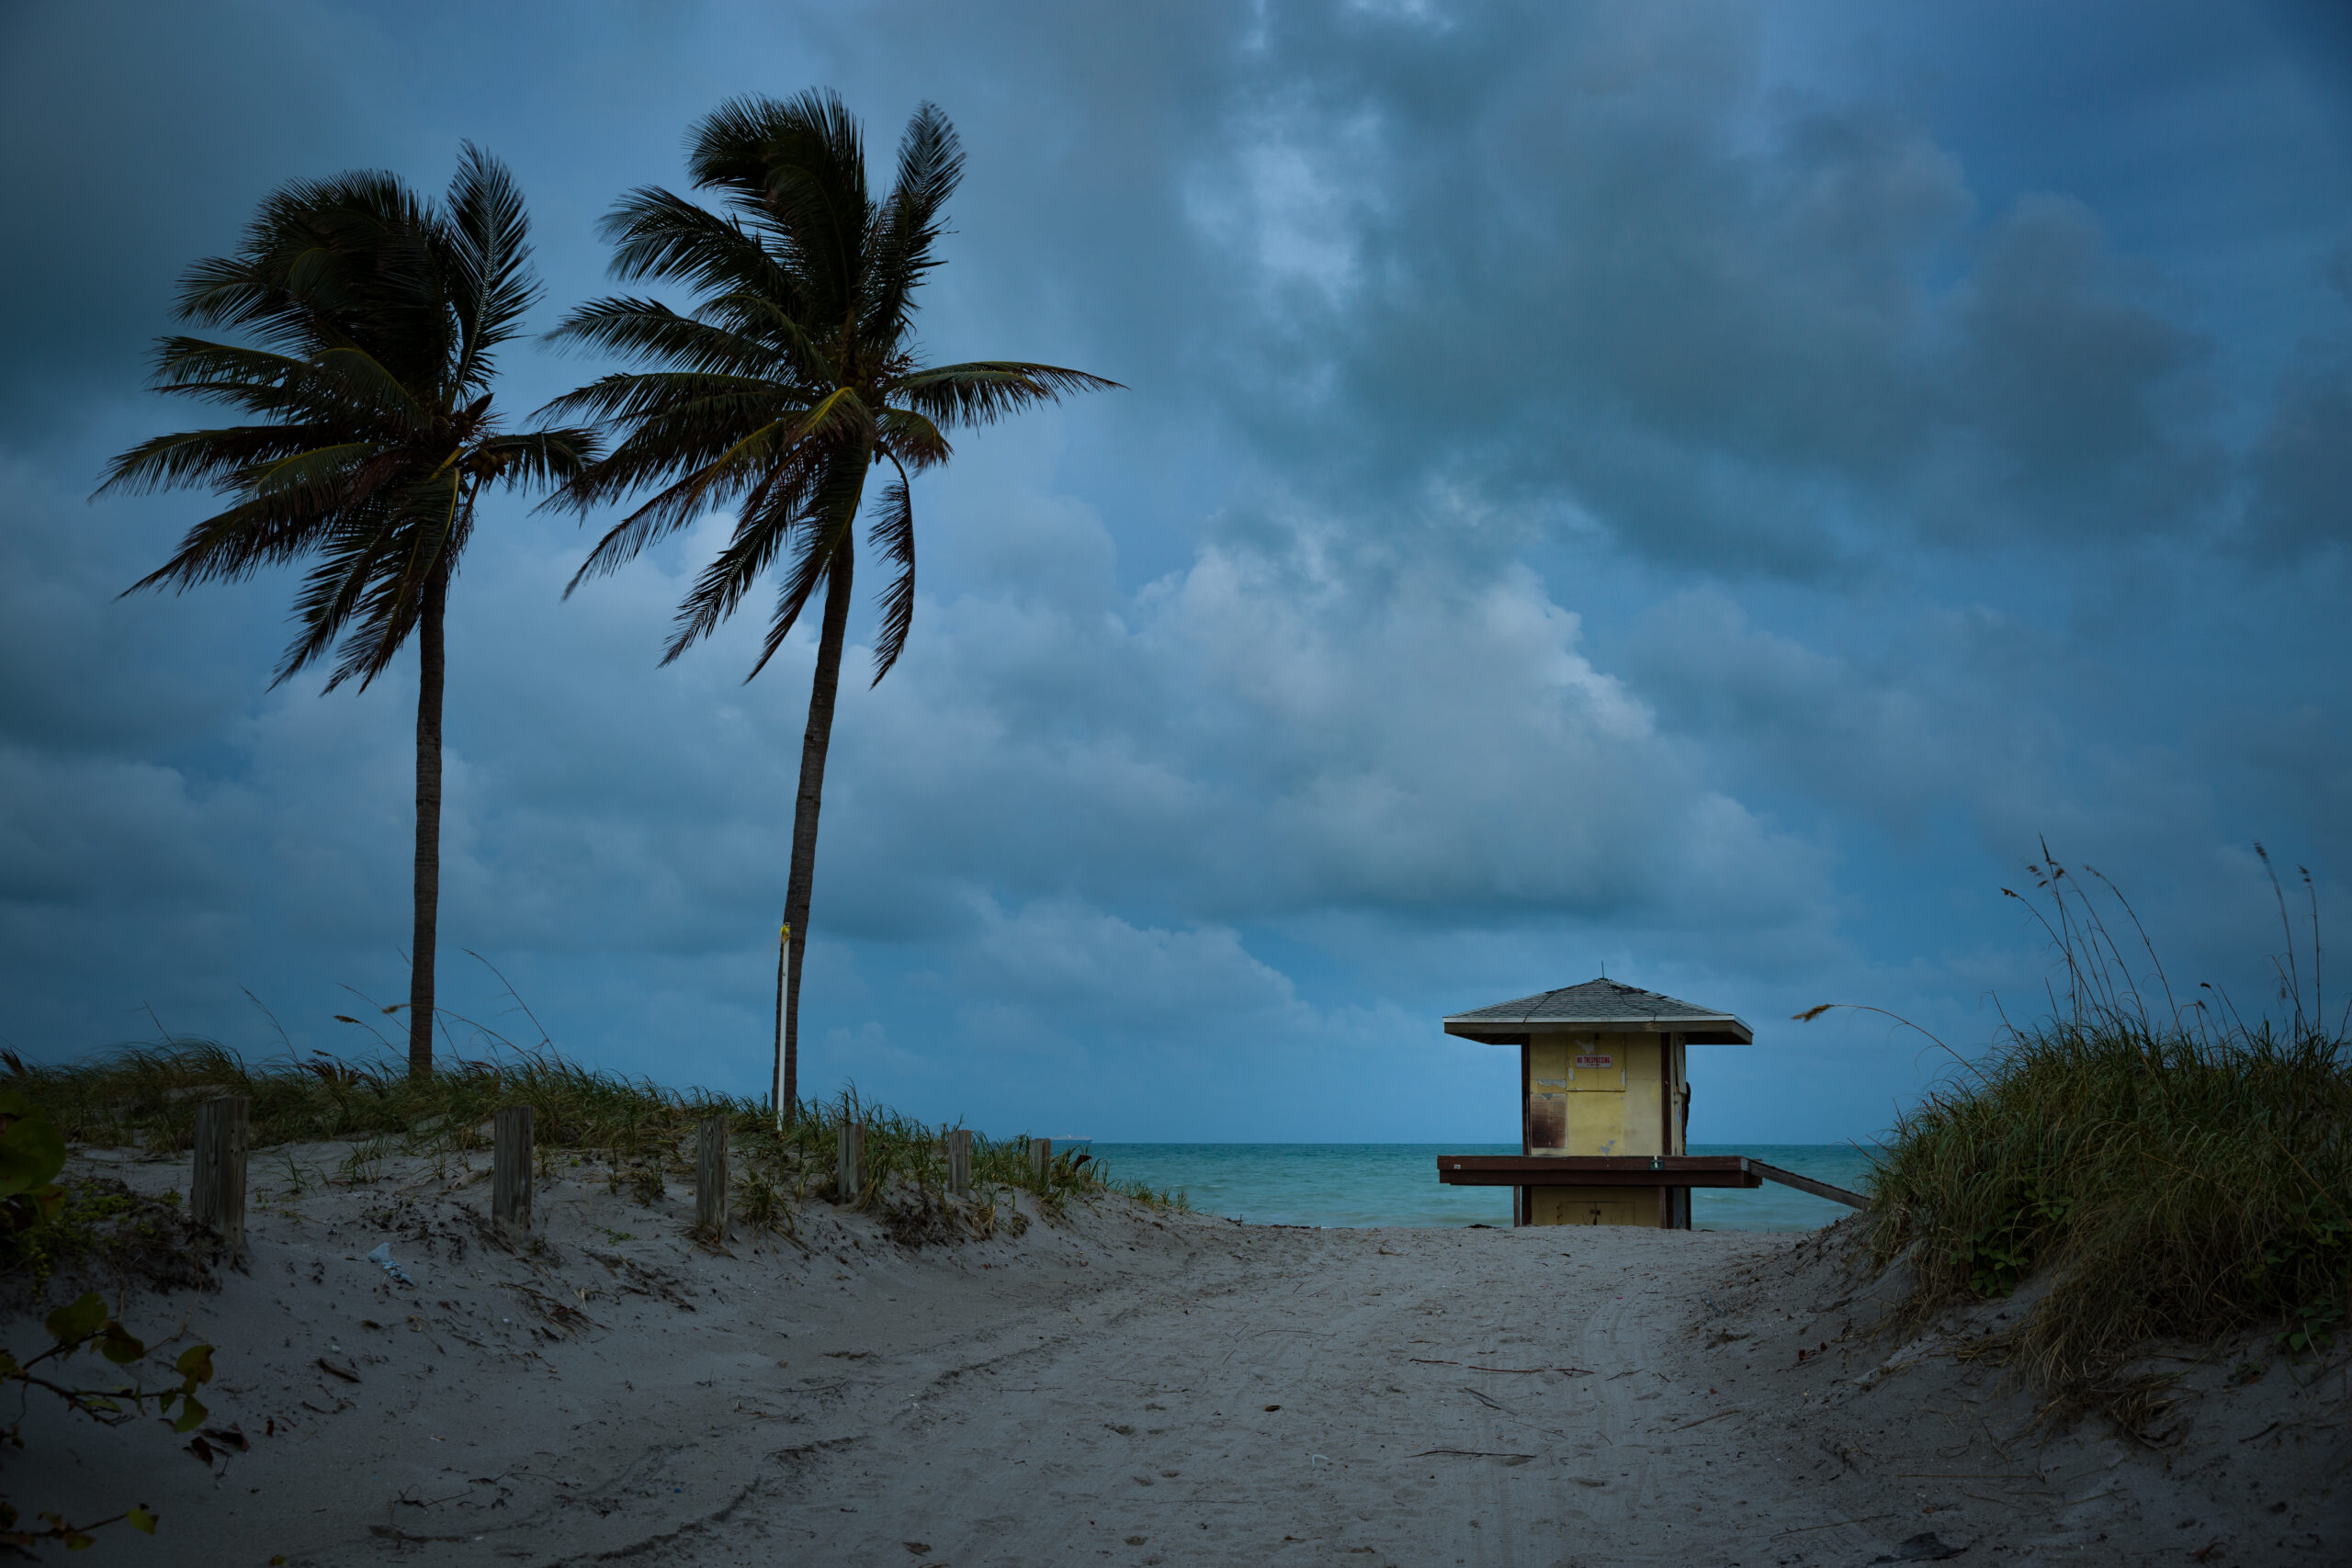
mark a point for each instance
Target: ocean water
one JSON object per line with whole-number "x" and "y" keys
{"x": 1397, "y": 1184}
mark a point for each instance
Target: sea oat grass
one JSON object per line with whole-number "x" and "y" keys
{"x": 2159, "y": 1179}
{"x": 145, "y": 1097}
{"x": 2171, "y": 1189}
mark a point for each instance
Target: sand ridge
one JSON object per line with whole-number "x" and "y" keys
{"x": 1125, "y": 1387}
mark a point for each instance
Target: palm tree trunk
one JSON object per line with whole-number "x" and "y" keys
{"x": 429, "y": 673}
{"x": 813, "y": 746}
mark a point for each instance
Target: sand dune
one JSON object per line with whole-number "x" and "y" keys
{"x": 1122, "y": 1387}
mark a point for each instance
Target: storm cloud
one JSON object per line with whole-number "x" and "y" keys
{"x": 1696, "y": 490}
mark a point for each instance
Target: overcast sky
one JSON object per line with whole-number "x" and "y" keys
{"x": 1696, "y": 491}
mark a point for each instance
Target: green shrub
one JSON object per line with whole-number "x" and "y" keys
{"x": 34, "y": 1205}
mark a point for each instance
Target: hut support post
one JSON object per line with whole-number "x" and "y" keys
{"x": 509, "y": 1171}
{"x": 959, "y": 1160}
{"x": 217, "y": 1184}
{"x": 1522, "y": 1198}
{"x": 710, "y": 1178}
{"x": 849, "y": 1150}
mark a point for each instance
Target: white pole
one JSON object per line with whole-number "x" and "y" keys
{"x": 775, "y": 1078}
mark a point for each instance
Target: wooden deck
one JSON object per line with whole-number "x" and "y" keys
{"x": 1630, "y": 1170}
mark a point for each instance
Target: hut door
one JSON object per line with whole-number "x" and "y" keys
{"x": 1596, "y": 1098}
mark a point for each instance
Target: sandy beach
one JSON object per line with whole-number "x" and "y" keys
{"x": 1123, "y": 1386}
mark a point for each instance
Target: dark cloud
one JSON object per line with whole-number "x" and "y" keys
{"x": 2064, "y": 376}
{"x": 1675, "y": 488}
{"x": 1587, "y": 264}
{"x": 141, "y": 137}
{"x": 2301, "y": 466}
{"x": 2303, "y": 470}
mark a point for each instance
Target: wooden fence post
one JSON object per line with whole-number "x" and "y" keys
{"x": 509, "y": 1171}
{"x": 217, "y": 1185}
{"x": 1041, "y": 1159}
{"x": 710, "y": 1178}
{"x": 959, "y": 1161}
{"x": 848, "y": 1167}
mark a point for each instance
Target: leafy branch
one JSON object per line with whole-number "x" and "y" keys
{"x": 32, "y": 1152}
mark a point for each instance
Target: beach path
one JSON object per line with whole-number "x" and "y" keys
{"x": 1120, "y": 1386}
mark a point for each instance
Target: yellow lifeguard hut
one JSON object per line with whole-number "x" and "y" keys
{"x": 1604, "y": 1097}
{"x": 1605, "y": 1108}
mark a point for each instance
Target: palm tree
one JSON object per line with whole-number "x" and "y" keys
{"x": 373, "y": 320}
{"x": 793, "y": 377}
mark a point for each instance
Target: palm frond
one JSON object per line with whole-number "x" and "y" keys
{"x": 740, "y": 146}
{"x": 985, "y": 391}
{"x": 293, "y": 269}
{"x": 338, "y": 382}
{"x": 666, "y": 454}
{"x": 220, "y": 457}
{"x": 367, "y": 380}
{"x": 658, "y": 234}
{"x": 931, "y": 163}
{"x": 551, "y": 457}
{"x": 426, "y": 533}
{"x": 892, "y": 533}
{"x": 734, "y": 452}
{"x": 823, "y": 548}
{"x": 762, "y": 531}
{"x": 840, "y": 415}
{"x": 262, "y": 531}
{"x": 648, "y": 329}
{"x": 796, "y": 169}
{"x": 346, "y": 565}
{"x": 781, "y": 489}
{"x": 636, "y": 396}
{"x": 317, "y": 476}
{"x": 332, "y": 591}
{"x": 185, "y": 362}
{"x": 490, "y": 249}
{"x": 912, "y": 440}
{"x": 715, "y": 452}
{"x": 753, "y": 315}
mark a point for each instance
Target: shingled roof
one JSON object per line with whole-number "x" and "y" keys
{"x": 1601, "y": 1004}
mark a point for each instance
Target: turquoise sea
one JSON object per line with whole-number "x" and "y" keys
{"x": 1396, "y": 1184}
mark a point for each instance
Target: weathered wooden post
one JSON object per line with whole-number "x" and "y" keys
{"x": 1041, "y": 1159}
{"x": 710, "y": 1178}
{"x": 848, "y": 1164}
{"x": 510, "y": 1171}
{"x": 959, "y": 1161}
{"x": 217, "y": 1185}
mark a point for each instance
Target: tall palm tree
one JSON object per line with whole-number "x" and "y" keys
{"x": 794, "y": 376}
{"x": 373, "y": 320}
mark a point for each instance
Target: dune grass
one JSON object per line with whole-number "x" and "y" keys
{"x": 2158, "y": 1171}
{"x": 146, "y": 1096}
